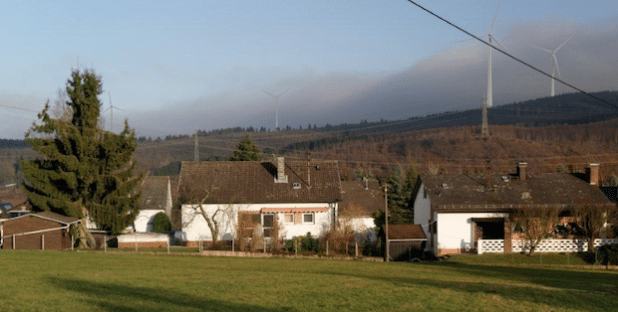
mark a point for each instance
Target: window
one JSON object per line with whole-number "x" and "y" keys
{"x": 288, "y": 218}
{"x": 296, "y": 185}
{"x": 308, "y": 218}
{"x": 268, "y": 223}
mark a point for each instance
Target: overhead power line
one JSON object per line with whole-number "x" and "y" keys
{"x": 513, "y": 57}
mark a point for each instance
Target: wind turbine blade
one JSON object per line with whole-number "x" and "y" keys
{"x": 268, "y": 93}
{"x": 283, "y": 92}
{"x": 542, "y": 49}
{"x": 500, "y": 44}
{"x": 556, "y": 64}
{"x": 106, "y": 110}
{"x": 558, "y": 48}
{"x": 471, "y": 39}
{"x": 118, "y": 108}
{"x": 493, "y": 21}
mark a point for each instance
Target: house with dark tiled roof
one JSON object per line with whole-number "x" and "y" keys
{"x": 156, "y": 197}
{"x": 457, "y": 211}
{"x": 361, "y": 199}
{"x": 286, "y": 198}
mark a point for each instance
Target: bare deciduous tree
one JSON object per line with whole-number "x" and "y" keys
{"x": 536, "y": 224}
{"x": 214, "y": 217}
{"x": 592, "y": 219}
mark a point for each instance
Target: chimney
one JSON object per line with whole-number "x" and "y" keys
{"x": 281, "y": 177}
{"x": 521, "y": 170}
{"x": 594, "y": 174}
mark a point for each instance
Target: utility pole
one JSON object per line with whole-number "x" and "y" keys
{"x": 485, "y": 126}
{"x": 386, "y": 221}
{"x": 196, "y": 151}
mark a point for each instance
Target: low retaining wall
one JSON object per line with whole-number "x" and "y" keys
{"x": 547, "y": 245}
{"x": 143, "y": 240}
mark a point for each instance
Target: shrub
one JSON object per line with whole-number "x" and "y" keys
{"x": 608, "y": 254}
{"x": 161, "y": 223}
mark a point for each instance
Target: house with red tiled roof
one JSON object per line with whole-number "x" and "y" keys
{"x": 462, "y": 212}
{"x": 282, "y": 198}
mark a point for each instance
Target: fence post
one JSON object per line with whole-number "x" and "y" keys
{"x": 264, "y": 242}
{"x": 327, "y": 248}
{"x": 168, "y": 245}
{"x": 356, "y": 249}
{"x": 479, "y": 248}
{"x": 105, "y": 242}
{"x": 13, "y": 241}
{"x": 72, "y": 242}
{"x": 136, "y": 243}
{"x": 43, "y": 242}
{"x": 296, "y": 246}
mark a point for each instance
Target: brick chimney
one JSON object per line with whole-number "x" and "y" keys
{"x": 281, "y": 177}
{"x": 594, "y": 174}
{"x": 521, "y": 170}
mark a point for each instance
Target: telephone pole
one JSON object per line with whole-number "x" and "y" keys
{"x": 386, "y": 221}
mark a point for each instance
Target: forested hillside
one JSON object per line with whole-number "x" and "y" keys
{"x": 563, "y": 133}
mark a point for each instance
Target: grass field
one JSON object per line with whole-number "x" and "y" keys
{"x": 60, "y": 281}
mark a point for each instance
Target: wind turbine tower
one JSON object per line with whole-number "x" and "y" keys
{"x": 490, "y": 37}
{"x": 554, "y": 67}
{"x": 277, "y": 106}
{"x": 111, "y": 112}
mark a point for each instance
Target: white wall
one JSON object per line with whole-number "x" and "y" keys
{"x": 364, "y": 227}
{"x": 144, "y": 219}
{"x": 422, "y": 209}
{"x": 455, "y": 230}
{"x": 195, "y": 228}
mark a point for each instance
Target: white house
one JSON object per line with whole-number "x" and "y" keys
{"x": 289, "y": 199}
{"x": 360, "y": 200}
{"x": 156, "y": 197}
{"x": 458, "y": 211}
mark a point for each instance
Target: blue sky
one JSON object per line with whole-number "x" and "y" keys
{"x": 178, "y": 66}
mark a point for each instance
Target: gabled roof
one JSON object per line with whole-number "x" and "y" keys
{"x": 406, "y": 232}
{"x": 154, "y": 192}
{"x": 359, "y": 201}
{"x": 470, "y": 192}
{"x": 48, "y": 215}
{"x": 254, "y": 182}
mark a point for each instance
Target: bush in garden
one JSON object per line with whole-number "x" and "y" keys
{"x": 608, "y": 254}
{"x": 161, "y": 223}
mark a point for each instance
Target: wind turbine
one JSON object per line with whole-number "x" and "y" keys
{"x": 490, "y": 37}
{"x": 277, "y": 107}
{"x": 554, "y": 67}
{"x": 111, "y": 112}
{"x": 489, "y": 98}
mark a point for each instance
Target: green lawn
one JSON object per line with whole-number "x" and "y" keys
{"x": 60, "y": 281}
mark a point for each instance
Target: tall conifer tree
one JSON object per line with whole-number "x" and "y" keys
{"x": 247, "y": 151}
{"x": 82, "y": 169}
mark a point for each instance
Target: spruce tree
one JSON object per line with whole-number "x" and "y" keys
{"x": 82, "y": 169}
{"x": 247, "y": 151}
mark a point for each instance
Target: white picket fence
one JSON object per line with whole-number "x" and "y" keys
{"x": 547, "y": 245}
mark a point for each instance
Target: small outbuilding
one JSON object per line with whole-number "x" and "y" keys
{"x": 43, "y": 230}
{"x": 406, "y": 241}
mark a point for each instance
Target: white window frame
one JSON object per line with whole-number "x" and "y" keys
{"x": 312, "y": 217}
